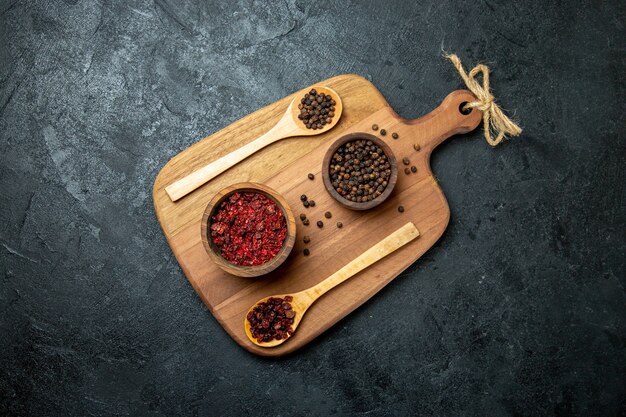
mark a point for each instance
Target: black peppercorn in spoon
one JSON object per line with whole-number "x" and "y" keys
{"x": 304, "y": 299}
{"x": 288, "y": 126}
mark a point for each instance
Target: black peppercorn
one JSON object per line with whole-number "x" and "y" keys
{"x": 374, "y": 126}
{"x": 328, "y": 215}
{"x": 407, "y": 171}
{"x": 383, "y": 132}
{"x": 394, "y": 135}
{"x": 320, "y": 224}
{"x": 302, "y": 216}
{"x": 416, "y": 146}
{"x": 306, "y": 222}
{"x": 306, "y": 239}
{"x": 311, "y": 176}
{"x": 306, "y": 252}
{"x": 339, "y": 225}
{"x": 401, "y": 209}
{"x": 406, "y": 161}
{"x": 312, "y": 203}
{"x": 303, "y": 197}
{"x": 413, "y": 169}
{"x": 306, "y": 204}
{"x": 316, "y": 109}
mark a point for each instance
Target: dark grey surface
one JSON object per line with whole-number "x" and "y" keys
{"x": 519, "y": 310}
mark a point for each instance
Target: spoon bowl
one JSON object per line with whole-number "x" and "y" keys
{"x": 294, "y": 112}
{"x": 300, "y": 304}
{"x": 304, "y": 299}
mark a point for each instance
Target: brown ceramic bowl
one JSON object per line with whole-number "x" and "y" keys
{"x": 214, "y": 252}
{"x": 393, "y": 178}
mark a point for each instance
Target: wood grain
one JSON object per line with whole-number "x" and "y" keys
{"x": 284, "y": 167}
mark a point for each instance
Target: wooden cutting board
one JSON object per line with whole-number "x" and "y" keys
{"x": 284, "y": 167}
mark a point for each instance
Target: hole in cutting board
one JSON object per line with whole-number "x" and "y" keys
{"x": 464, "y": 111}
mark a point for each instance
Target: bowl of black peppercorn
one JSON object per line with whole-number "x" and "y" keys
{"x": 359, "y": 171}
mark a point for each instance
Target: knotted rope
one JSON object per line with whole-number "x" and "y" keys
{"x": 494, "y": 120}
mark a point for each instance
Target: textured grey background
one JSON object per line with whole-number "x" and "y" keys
{"x": 519, "y": 310}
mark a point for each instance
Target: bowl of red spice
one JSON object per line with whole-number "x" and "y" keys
{"x": 248, "y": 229}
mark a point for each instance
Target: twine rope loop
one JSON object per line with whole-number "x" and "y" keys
{"x": 495, "y": 122}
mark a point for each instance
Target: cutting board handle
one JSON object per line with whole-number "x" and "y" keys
{"x": 445, "y": 121}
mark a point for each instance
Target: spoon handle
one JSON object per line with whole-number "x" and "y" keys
{"x": 185, "y": 185}
{"x": 394, "y": 241}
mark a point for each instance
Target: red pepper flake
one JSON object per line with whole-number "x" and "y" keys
{"x": 248, "y": 228}
{"x": 272, "y": 319}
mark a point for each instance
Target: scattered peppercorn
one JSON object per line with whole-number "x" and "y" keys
{"x": 311, "y": 176}
{"x": 272, "y": 319}
{"x": 414, "y": 169}
{"x": 339, "y": 225}
{"x": 316, "y": 109}
{"x": 306, "y": 251}
{"x": 383, "y": 132}
{"x": 394, "y": 135}
{"x": 303, "y": 197}
{"x": 320, "y": 224}
{"x": 248, "y": 229}
{"x": 406, "y": 161}
{"x": 359, "y": 171}
{"x": 306, "y": 222}
{"x": 401, "y": 209}
{"x": 328, "y": 215}
{"x": 302, "y": 216}
{"x": 306, "y": 204}
{"x": 306, "y": 239}
{"x": 374, "y": 126}
{"x": 407, "y": 171}
{"x": 416, "y": 146}
{"x": 312, "y": 203}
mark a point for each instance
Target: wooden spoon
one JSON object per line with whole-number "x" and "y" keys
{"x": 304, "y": 299}
{"x": 288, "y": 126}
